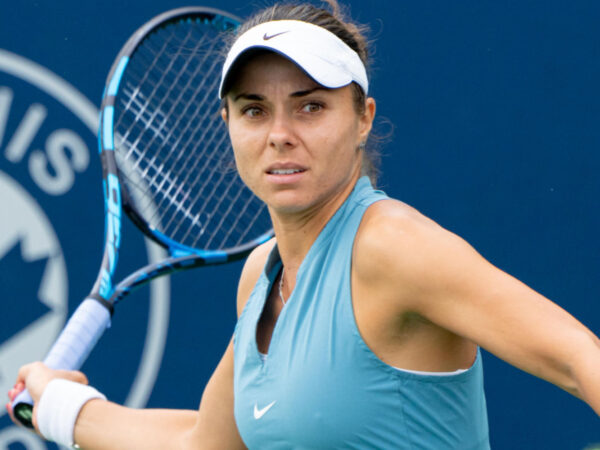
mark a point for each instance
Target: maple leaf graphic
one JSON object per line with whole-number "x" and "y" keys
{"x": 19, "y": 284}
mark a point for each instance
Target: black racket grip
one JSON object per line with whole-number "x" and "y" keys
{"x": 70, "y": 350}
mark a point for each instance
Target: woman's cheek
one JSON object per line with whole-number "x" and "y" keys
{"x": 244, "y": 165}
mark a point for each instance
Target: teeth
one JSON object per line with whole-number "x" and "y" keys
{"x": 285, "y": 171}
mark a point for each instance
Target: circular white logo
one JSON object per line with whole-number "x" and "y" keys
{"x": 51, "y": 160}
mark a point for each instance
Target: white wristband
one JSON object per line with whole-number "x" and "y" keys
{"x": 59, "y": 407}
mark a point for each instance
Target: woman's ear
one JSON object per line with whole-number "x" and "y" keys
{"x": 224, "y": 114}
{"x": 366, "y": 120}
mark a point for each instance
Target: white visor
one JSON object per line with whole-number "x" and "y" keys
{"x": 320, "y": 53}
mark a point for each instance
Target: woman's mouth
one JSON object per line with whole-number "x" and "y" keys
{"x": 284, "y": 171}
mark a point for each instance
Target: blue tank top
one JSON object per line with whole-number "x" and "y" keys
{"x": 320, "y": 386}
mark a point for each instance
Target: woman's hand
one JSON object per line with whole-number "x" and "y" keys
{"x": 35, "y": 377}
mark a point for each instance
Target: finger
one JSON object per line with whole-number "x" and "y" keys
{"x": 9, "y": 410}
{"x": 16, "y": 390}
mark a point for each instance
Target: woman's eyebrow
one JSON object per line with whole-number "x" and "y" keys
{"x": 247, "y": 96}
{"x": 308, "y": 91}
{"x": 257, "y": 97}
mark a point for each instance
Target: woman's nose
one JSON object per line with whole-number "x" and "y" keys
{"x": 282, "y": 135}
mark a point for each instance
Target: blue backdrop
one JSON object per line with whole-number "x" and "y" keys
{"x": 492, "y": 110}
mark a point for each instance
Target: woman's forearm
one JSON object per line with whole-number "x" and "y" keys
{"x": 106, "y": 425}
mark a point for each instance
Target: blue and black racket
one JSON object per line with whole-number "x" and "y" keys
{"x": 167, "y": 162}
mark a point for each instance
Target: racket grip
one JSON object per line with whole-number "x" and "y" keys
{"x": 70, "y": 350}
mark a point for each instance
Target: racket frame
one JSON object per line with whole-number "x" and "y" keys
{"x": 228, "y": 22}
{"x": 98, "y": 306}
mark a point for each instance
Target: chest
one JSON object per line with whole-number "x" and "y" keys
{"x": 315, "y": 359}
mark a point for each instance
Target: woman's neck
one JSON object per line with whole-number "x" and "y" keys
{"x": 296, "y": 233}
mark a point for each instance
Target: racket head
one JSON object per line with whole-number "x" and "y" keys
{"x": 163, "y": 138}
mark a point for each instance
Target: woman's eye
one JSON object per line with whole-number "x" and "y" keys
{"x": 312, "y": 107}
{"x": 252, "y": 111}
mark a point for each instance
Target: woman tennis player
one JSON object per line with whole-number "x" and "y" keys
{"x": 360, "y": 323}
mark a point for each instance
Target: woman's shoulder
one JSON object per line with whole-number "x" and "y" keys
{"x": 392, "y": 218}
{"x": 392, "y": 237}
{"x": 253, "y": 267}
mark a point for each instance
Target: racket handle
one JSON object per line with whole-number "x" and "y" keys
{"x": 70, "y": 350}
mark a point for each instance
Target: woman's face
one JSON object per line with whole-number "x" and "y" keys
{"x": 295, "y": 142}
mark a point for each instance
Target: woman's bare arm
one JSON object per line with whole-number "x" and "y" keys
{"x": 427, "y": 270}
{"x": 106, "y": 425}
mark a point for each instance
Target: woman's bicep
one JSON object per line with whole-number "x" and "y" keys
{"x": 421, "y": 268}
{"x": 456, "y": 288}
{"x": 216, "y": 427}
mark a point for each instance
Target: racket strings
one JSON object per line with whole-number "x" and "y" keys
{"x": 179, "y": 98}
{"x": 214, "y": 163}
{"x": 174, "y": 182}
{"x": 143, "y": 108}
{"x": 200, "y": 151}
{"x": 230, "y": 227}
{"x": 200, "y": 146}
{"x": 173, "y": 147}
{"x": 150, "y": 123}
{"x": 216, "y": 122}
{"x": 134, "y": 96}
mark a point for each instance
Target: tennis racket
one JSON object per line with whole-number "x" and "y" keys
{"x": 167, "y": 163}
